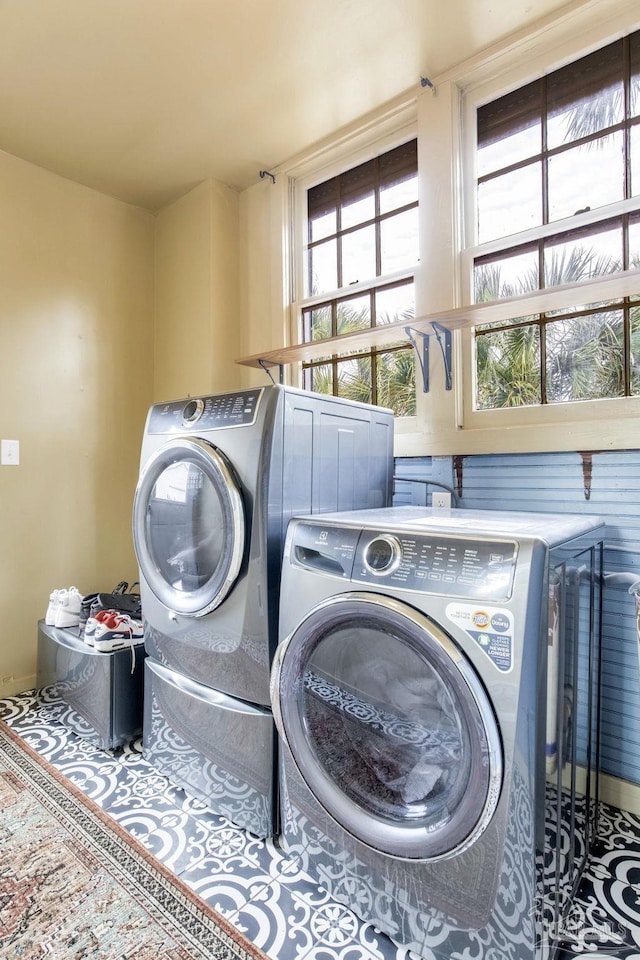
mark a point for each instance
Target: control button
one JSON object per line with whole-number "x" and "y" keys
{"x": 382, "y": 555}
{"x": 192, "y": 411}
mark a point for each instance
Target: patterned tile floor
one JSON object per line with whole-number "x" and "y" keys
{"x": 263, "y": 892}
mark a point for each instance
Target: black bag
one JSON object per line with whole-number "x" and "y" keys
{"x": 122, "y": 598}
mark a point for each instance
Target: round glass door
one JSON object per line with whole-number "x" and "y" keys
{"x": 389, "y": 726}
{"x": 189, "y": 527}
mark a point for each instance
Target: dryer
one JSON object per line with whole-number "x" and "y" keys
{"x": 419, "y": 687}
{"x": 220, "y": 477}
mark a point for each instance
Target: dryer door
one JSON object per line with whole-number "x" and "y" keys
{"x": 189, "y": 526}
{"x": 389, "y": 726}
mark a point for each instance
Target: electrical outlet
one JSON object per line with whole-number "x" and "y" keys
{"x": 441, "y": 501}
{"x": 10, "y": 453}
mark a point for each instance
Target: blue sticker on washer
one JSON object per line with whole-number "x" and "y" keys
{"x": 490, "y": 627}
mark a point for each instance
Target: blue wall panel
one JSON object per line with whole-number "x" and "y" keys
{"x": 603, "y": 484}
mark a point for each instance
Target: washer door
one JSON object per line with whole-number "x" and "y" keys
{"x": 189, "y": 526}
{"x": 389, "y": 726}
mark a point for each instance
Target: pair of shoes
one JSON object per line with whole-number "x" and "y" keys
{"x": 64, "y": 608}
{"x": 116, "y": 631}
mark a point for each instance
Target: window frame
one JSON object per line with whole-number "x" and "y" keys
{"x": 365, "y": 146}
{"x": 589, "y": 424}
{"x": 535, "y": 100}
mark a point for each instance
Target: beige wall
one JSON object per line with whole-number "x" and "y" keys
{"x": 76, "y": 338}
{"x": 104, "y": 308}
{"x": 196, "y": 278}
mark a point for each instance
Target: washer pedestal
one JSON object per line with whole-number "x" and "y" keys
{"x": 105, "y": 690}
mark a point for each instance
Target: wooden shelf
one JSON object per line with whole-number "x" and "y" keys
{"x": 611, "y": 287}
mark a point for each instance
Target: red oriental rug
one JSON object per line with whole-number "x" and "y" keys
{"x": 76, "y": 886}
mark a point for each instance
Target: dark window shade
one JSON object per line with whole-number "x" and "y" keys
{"x": 598, "y": 72}
{"x": 359, "y": 182}
{"x": 393, "y": 167}
{"x": 399, "y": 164}
{"x": 322, "y": 199}
{"x": 634, "y": 53}
{"x": 510, "y": 114}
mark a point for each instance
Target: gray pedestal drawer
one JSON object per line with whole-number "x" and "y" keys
{"x": 105, "y": 690}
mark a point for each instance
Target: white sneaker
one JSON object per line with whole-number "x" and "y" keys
{"x": 117, "y": 631}
{"x": 54, "y": 599}
{"x": 68, "y": 608}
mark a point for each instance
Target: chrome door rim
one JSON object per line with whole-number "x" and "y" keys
{"x": 397, "y": 842}
{"x": 214, "y": 465}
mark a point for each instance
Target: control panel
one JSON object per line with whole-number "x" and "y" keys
{"x": 425, "y": 562}
{"x": 205, "y": 413}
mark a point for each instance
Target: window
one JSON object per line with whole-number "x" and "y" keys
{"x": 362, "y": 249}
{"x": 558, "y": 201}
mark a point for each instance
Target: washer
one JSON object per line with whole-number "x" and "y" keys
{"x": 436, "y": 691}
{"x": 220, "y": 478}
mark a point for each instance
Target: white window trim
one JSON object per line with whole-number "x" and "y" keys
{"x": 451, "y": 425}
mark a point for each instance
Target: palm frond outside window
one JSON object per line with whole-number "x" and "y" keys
{"x": 565, "y": 145}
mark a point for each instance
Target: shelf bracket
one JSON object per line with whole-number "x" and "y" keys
{"x": 265, "y": 365}
{"x": 444, "y": 338}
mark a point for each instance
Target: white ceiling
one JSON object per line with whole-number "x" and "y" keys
{"x": 143, "y": 99}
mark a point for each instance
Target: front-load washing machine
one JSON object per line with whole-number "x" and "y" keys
{"x": 436, "y": 691}
{"x": 220, "y": 478}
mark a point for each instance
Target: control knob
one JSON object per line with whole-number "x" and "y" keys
{"x": 382, "y": 555}
{"x": 192, "y": 411}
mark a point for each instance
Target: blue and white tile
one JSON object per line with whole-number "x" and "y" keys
{"x": 353, "y": 938}
{"x": 287, "y": 923}
{"x": 227, "y": 883}
{"x": 263, "y": 891}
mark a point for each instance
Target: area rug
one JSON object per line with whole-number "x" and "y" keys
{"x": 73, "y": 884}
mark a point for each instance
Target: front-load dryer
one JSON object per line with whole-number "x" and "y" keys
{"x": 220, "y": 477}
{"x": 432, "y": 778}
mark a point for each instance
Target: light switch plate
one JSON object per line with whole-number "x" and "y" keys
{"x": 10, "y": 453}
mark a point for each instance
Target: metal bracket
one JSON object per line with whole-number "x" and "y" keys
{"x": 444, "y": 338}
{"x": 265, "y": 366}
